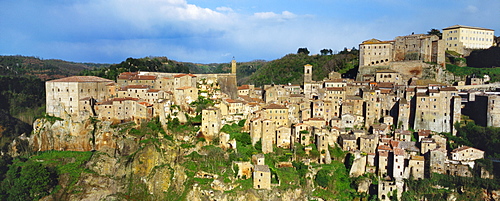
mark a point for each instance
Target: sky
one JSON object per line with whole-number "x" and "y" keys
{"x": 209, "y": 31}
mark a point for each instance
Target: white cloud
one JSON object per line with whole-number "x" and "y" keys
{"x": 224, "y": 9}
{"x": 285, "y": 15}
{"x": 471, "y": 9}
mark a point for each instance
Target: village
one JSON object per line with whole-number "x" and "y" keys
{"x": 391, "y": 117}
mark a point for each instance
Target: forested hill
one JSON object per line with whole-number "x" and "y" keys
{"x": 43, "y": 69}
{"x": 163, "y": 64}
{"x": 290, "y": 68}
{"x": 22, "y": 91}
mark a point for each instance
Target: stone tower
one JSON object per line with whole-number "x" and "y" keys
{"x": 233, "y": 66}
{"x": 210, "y": 123}
{"x": 307, "y": 73}
{"x": 268, "y": 135}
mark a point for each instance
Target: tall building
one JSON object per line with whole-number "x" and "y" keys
{"x": 375, "y": 52}
{"x": 65, "y": 94}
{"x": 460, "y": 37}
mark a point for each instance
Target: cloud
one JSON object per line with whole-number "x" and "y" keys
{"x": 224, "y": 9}
{"x": 112, "y": 30}
{"x": 471, "y": 9}
{"x": 285, "y": 15}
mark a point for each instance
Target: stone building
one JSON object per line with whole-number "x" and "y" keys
{"x": 348, "y": 142}
{"x": 268, "y": 135}
{"x": 311, "y": 88}
{"x": 403, "y": 114}
{"x": 299, "y": 131}
{"x": 382, "y": 162}
{"x": 466, "y": 153}
{"x": 185, "y": 95}
{"x": 64, "y": 95}
{"x": 262, "y": 177}
{"x": 416, "y": 167}
{"x": 276, "y": 113}
{"x": 210, "y": 122}
{"x": 388, "y": 76}
{"x": 437, "y": 158}
{"x": 135, "y": 78}
{"x": 387, "y": 189}
{"x": 283, "y": 137}
{"x": 368, "y": 143}
{"x": 459, "y": 38}
{"x": 422, "y": 47}
{"x": 398, "y": 163}
{"x": 375, "y": 52}
{"x": 124, "y": 109}
{"x": 437, "y": 109}
{"x": 427, "y": 144}
{"x": 484, "y": 109}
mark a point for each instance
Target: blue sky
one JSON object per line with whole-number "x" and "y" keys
{"x": 206, "y": 31}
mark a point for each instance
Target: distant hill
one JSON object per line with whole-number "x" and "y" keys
{"x": 43, "y": 69}
{"x": 290, "y": 68}
{"x": 22, "y": 91}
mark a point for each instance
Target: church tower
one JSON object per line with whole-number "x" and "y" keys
{"x": 308, "y": 73}
{"x": 233, "y": 66}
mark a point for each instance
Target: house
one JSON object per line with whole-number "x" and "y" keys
{"x": 368, "y": 143}
{"x": 427, "y": 144}
{"x": 283, "y": 137}
{"x": 416, "y": 167}
{"x": 210, "y": 122}
{"x": 466, "y": 153}
{"x": 262, "y": 177}
{"x": 348, "y": 142}
{"x": 398, "y": 163}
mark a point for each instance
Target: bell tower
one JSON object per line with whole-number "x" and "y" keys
{"x": 233, "y": 66}
{"x": 308, "y": 73}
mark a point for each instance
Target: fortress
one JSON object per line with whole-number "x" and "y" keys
{"x": 135, "y": 95}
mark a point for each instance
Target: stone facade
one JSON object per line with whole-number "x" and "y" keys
{"x": 375, "y": 52}
{"x": 262, "y": 177}
{"x": 64, "y": 95}
{"x": 210, "y": 122}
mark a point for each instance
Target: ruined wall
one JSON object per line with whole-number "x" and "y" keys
{"x": 228, "y": 85}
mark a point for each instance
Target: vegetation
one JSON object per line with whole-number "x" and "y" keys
{"x": 435, "y": 32}
{"x": 43, "y": 69}
{"x": 494, "y": 73}
{"x": 464, "y": 188}
{"x": 152, "y": 64}
{"x": 335, "y": 182}
{"x": 484, "y": 138}
{"x": 35, "y": 177}
{"x": 290, "y": 68}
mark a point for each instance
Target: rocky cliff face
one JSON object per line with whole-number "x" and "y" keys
{"x": 128, "y": 166}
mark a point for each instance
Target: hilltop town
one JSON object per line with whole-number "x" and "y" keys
{"x": 391, "y": 119}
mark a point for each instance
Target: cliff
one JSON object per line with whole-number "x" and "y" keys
{"x": 139, "y": 162}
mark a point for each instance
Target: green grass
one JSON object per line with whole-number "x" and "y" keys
{"x": 494, "y": 73}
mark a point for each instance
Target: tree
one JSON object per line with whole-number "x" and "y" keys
{"x": 324, "y": 52}
{"x": 31, "y": 182}
{"x": 303, "y": 50}
{"x": 322, "y": 178}
{"x": 435, "y": 32}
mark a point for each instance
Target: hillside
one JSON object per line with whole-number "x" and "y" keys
{"x": 43, "y": 69}
{"x": 290, "y": 68}
{"x": 22, "y": 91}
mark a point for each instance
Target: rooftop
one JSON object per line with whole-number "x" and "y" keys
{"x": 466, "y": 27}
{"x": 82, "y": 79}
